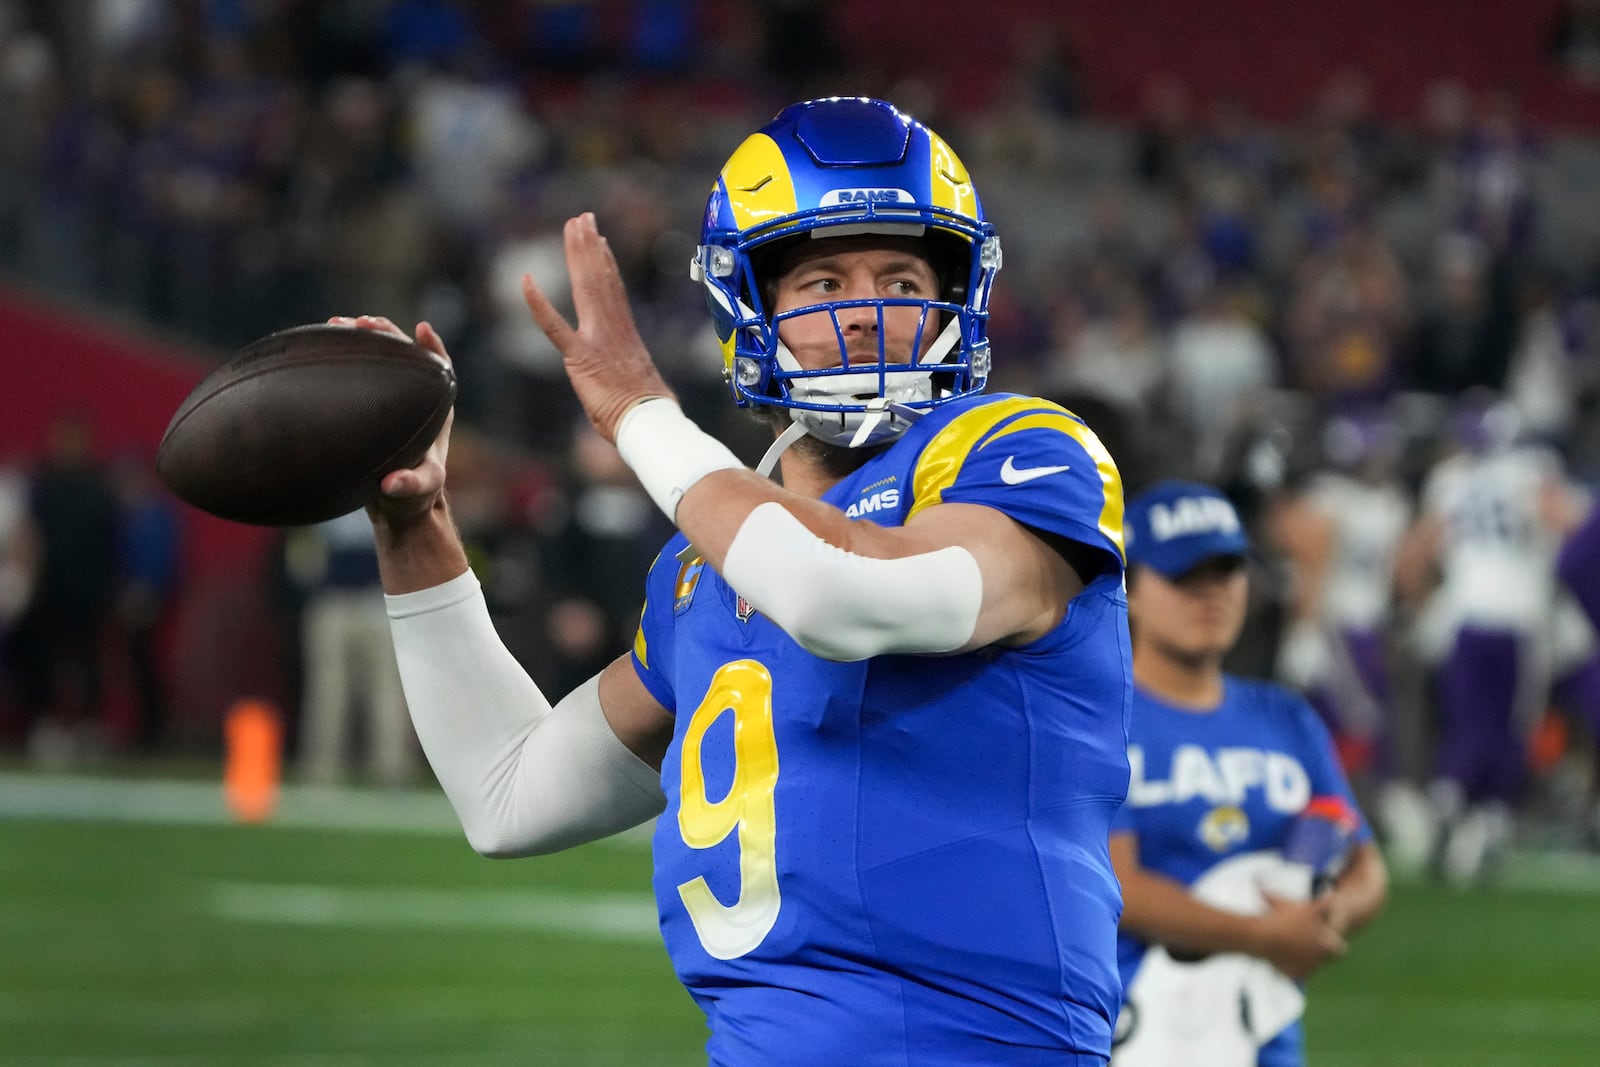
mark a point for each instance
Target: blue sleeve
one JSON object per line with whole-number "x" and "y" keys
{"x": 1032, "y": 460}
{"x": 653, "y": 643}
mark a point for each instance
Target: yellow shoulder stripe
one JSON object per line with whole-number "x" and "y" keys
{"x": 941, "y": 462}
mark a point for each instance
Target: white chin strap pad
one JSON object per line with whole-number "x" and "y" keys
{"x": 845, "y": 607}
{"x": 854, "y": 429}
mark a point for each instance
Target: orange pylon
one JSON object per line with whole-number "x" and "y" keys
{"x": 254, "y": 738}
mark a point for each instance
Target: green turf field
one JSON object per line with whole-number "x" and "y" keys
{"x": 359, "y": 929}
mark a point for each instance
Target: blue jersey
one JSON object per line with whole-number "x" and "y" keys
{"x": 1207, "y": 786}
{"x": 902, "y": 860}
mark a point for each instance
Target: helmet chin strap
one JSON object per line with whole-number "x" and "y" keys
{"x": 769, "y": 459}
{"x": 877, "y": 410}
{"x": 853, "y": 429}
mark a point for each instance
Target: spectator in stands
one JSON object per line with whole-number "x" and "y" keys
{"x": 1573, "y": 40}
{"x": 1116, "y": 358}
{"x": 1222, "y": 363}
{"x": 1347, "y": 316}
{"x": 1469, "y": 326}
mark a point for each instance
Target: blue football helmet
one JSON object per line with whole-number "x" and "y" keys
{"x": 837, "y": 167}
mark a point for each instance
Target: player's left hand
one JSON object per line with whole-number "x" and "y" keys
{"x": 605, "y": 359}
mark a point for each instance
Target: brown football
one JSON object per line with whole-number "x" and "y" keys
{"x": 302, "y": 425}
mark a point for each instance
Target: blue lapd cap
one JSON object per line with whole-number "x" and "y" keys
{"x": 1174, "y": 526}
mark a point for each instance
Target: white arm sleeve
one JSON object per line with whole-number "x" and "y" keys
{"x": 524, "y": 778}
{"x": 842, "y": 606}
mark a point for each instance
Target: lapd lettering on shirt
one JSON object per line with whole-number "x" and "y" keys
{"x": 1223, "y": 779}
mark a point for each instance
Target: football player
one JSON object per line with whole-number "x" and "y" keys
{"x": 1341, "y": 533}
{"x": 1495, "y": 630}
{"x": 1244, "y": 860}
{"x": 880, "y": 708}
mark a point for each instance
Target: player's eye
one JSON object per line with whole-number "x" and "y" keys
{"x": 816, "y": 283}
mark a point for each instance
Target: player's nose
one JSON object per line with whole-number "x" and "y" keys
{"x": 863, "y": 319}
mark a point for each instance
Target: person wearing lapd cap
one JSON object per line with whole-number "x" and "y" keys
{"x": 1244, "y": 861}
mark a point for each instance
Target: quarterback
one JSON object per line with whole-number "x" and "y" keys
{"x": 880, "y": 708}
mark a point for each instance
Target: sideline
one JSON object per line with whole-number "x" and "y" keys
{"x": 93, "y": 798}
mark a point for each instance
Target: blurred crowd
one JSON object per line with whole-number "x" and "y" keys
{"x": 1327, "y": 317}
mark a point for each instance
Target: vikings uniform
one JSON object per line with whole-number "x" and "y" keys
{"x": 1369, "y": 521}
{"x": 1494, "y": 601}
{"x": 1212, "y": 788}
{"x": 833, "y": 875}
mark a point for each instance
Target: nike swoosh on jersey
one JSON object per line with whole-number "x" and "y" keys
{"x": 1011, "y": 474}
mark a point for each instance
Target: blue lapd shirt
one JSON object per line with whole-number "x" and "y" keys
{"x": 1207, "y": 786}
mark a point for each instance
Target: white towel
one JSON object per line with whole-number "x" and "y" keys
{"x": 1218, "y": 1011}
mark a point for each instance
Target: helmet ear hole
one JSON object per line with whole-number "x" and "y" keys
{"x": 951, "y": 257}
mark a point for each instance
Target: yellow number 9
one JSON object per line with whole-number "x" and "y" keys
{"x": 743, "y": 688}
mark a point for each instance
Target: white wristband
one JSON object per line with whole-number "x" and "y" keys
{"x": 668, "y": 452}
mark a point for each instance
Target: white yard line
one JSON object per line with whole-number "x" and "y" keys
{"x": 424, "y": 810}
{"x": 607, "y": 916}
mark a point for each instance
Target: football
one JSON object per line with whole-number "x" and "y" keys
{"x": 302, "y": 425}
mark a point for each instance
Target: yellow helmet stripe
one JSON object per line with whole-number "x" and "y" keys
{"x": 948, "y": 180}
{"x": 758, "y": 183}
